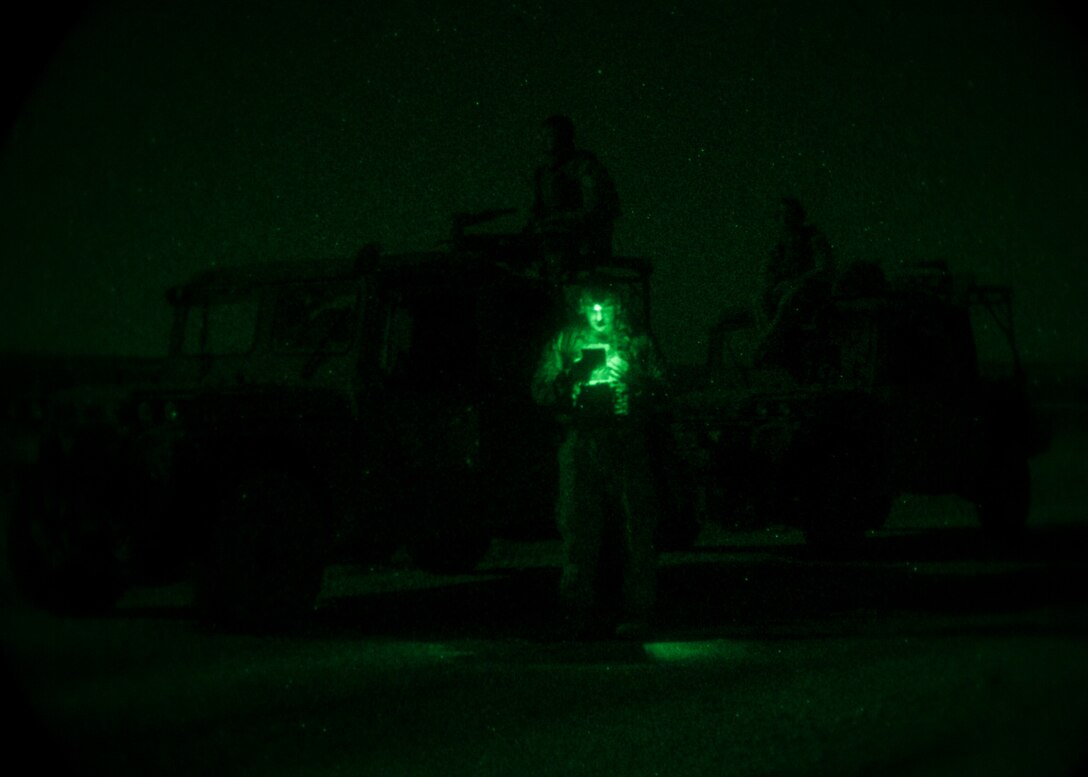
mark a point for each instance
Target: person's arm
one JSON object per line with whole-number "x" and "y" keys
{"x": 642, "y": 369}
{"x": 548, "y": 375}
{"x": 558, "y": 372}
{"x": 554, "y": 380}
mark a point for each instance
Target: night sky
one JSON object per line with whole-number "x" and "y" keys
{"x": 165, "y": 138}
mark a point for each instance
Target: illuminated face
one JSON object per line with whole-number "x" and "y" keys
{"x": 600, "y": 316}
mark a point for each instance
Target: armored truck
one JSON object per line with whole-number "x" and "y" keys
{"x": 311, "y": 412}
{"x": 871, "y": 387}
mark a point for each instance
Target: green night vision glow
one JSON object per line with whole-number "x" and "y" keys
{"x": 688, "y": 652}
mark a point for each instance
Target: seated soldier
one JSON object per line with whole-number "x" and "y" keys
{"x": 797, "y": 284}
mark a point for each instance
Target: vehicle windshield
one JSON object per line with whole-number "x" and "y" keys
{"x": 314, "y": 317}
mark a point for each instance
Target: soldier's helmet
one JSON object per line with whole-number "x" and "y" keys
{"x": 599, "y": 291}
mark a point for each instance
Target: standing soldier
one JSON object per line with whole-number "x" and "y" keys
{"x": 574, "y": 203}
{"x": 604, "y": 379}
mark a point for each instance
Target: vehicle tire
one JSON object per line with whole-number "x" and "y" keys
{"x": 449, "y": 554}
{"x": 1002, "y": 496}
{"x": 844, "y": 476}
{"x": 678, "y": 525}
{"x": 264, "y": 566}
{"x": 67, "y": 550}
{"x": 734, "y": 489}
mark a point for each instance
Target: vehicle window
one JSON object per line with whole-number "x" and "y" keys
{"x": 432, "y": 343}
{"x": 315, "y": 317}
{"x": 220, "y": 328}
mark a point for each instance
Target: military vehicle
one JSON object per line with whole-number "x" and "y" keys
{"x": 310, "y": 412}
{"x": 870, "y": 388}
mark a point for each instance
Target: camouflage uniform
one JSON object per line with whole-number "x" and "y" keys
{"x": 607, "y": 504}
{"x": 797, "y": 280}
{"x": 799, "y": 257}
{"x": 574, "y": 206}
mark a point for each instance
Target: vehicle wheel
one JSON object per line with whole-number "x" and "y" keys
{"x": 265, "y": 564}
{"x": 678, "y": 525}
{"x": 735, "y": 494}
{"x": 1002, "y": 497}
{"x": 449, "y": 554}
{"x": 844, "y": 475}
{"x": 67, "y": 552}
